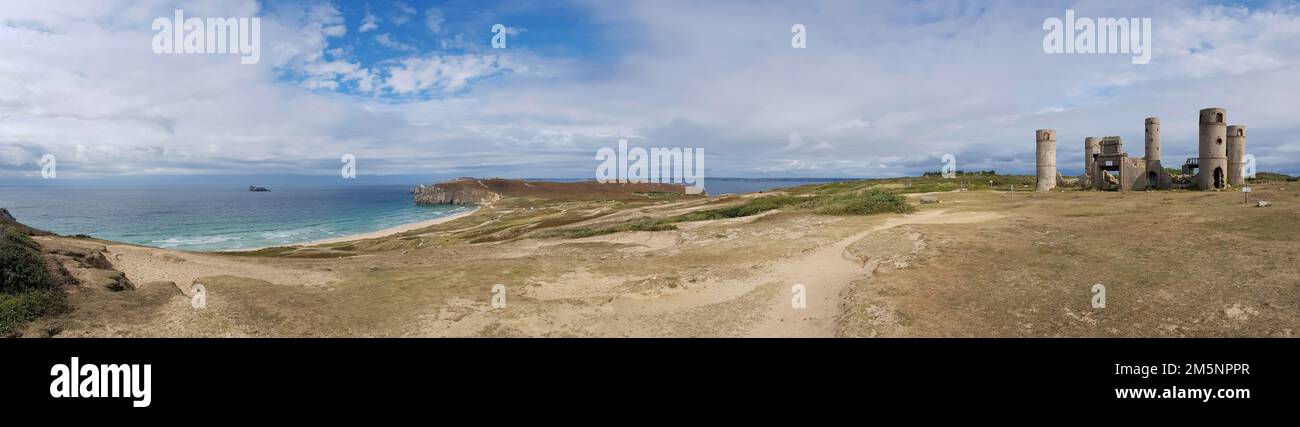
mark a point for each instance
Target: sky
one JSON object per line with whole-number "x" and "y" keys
{"x": 416, "y": 90}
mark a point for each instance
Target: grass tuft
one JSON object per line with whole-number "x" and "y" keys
{"x": 866, "y": 203}
{"x": 27, "y": 290}
{"x": 639, "y": 224}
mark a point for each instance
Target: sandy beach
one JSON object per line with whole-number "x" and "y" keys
{"x": 388, "y": 231}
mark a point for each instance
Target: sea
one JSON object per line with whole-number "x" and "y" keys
{"x": 230, "y": 217}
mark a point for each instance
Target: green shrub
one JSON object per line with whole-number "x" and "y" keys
{"x": 26, "y": 289}
{"x": 25, "y": 306}
{"x": 21, "y": 266}
{"x": 826, "y": 202}
{"x": 750, "y": 207}
{"x": 1270, "y": 177}
{"x": 640, "y": 224}
{"x": 866, "y": 203}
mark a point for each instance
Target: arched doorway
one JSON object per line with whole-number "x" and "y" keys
{"x": 1218, "y": 178}
{"x": 1153, "y": 180}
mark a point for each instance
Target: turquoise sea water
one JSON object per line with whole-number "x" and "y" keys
{"x": 210, "y": 218}
{"x": 229, "y": 217}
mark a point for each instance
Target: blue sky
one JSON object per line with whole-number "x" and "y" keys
{"x": 385, "y": 32}
{"x": 414, "y": 89}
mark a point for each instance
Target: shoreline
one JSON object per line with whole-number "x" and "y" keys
{"x": 387, "y": 231}
{"x": 354, "y": 237}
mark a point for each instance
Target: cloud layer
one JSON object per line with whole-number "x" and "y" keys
{"x": 880, "y": 90}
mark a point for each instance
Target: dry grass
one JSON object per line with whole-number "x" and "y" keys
{"x": 1174, "y": 263}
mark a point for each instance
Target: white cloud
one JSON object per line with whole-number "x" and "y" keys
{"x": 386, "y": 40}
{"x": 404, "y": 12}
{"x": 514, "y": 31}
{"x": 330, "y": 75}
{"x": 434, "y": 19}
{"x": 445, "y": 74}
{"x": 456, "y": 42}
{"x": 882, "y": 89}
{"x": 330, "y": 20}
{"x": 368, "y": 23}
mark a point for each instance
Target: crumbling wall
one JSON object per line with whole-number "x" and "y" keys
{"x": 1133, "y": 174}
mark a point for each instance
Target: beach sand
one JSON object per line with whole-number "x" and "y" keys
{"x": 388, "y": 231}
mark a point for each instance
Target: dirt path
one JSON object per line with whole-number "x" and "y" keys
{"x": 826, "y": 274}
{"x": 143, "y": 265}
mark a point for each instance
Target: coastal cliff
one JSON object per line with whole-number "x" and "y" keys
{"x": 473, "y": 191}
{"x": 458, "y": 192}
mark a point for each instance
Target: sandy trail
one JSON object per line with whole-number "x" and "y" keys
{"x": 826, "y": 274}
{"x": 143, "y": 265}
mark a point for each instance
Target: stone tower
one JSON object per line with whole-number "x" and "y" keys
{"x": 1046, "y": 139}
{"x": 1213, "y": 160}
{"x": 1153, "y": 143}
{"x": 1236, "y": 155}
{"x": 1154, "y": 169}
{"x": 1091, "y": 147}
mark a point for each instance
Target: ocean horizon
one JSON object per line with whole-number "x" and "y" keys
{"x": 222, "y": 217}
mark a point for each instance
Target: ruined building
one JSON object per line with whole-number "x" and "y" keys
{"x": 1108, "y": 167}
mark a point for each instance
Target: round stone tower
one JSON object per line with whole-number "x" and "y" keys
{"x": 1091, "y": 147}
{"x": 1046, "y": 139}
{"x": 1236, "y": 155}
{"x": 1154, "y": 169}
{"x": 1153, "y": 140}
{"x": 1213, "y": 160}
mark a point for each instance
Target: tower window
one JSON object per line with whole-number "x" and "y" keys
{"x": 1218, "y": 117}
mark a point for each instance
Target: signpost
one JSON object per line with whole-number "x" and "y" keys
{"x": 1246, "y": 192}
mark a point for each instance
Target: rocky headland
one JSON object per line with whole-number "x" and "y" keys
{"x": 474, "y": 191}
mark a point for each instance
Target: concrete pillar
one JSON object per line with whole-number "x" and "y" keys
{"x": 1213, "y": 149}
{"x": 1236, "y": 155}
{"x": 1046, "y": 150}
